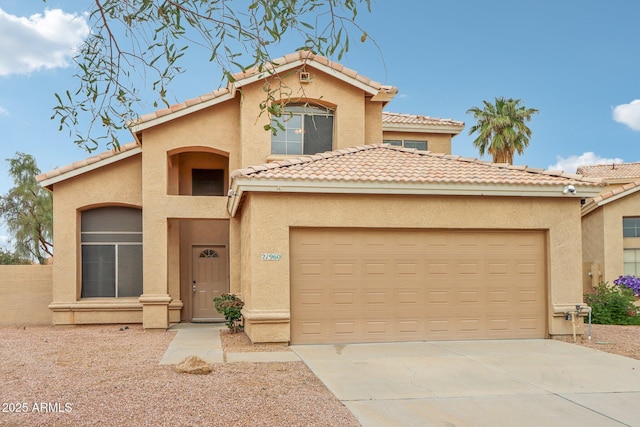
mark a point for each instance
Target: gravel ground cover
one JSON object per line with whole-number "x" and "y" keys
{"x": 102, "y": 375}
{"x": 109, "y": 375}
{"x": 622, "y": 340}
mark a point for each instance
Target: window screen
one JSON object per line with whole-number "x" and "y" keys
{"x": 111, "y": 239}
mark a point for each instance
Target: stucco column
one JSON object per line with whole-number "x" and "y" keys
{"x": 155, "y": 297}
{"x": 266, "y": 312}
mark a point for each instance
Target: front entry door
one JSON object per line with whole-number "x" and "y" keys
{"x": 210, "y": 280}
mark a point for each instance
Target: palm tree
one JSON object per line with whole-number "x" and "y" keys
{"x": 501, "y": 128}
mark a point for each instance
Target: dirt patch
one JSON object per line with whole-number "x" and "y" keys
{"x": 622, "y": 340}
{"x": 240, "y": 343}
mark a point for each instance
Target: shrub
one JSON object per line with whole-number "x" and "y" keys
{"x": 613, "y": 305}
{"x": 230, "y": 306}
{"x": 629, "y": 282}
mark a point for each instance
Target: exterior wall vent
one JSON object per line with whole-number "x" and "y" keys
{"x": 305, "y": 77}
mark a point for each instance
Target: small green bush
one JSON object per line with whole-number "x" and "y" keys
{"x": 613, "y": 305}
{"x": 230, "y": 306}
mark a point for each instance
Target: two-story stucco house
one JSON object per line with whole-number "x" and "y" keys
{"x": 350, "y": 224}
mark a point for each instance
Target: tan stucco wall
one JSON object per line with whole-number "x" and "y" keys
{"x": 182, "y": 138}
{"x": 25, "y": 292}
{"x": 228, "y": 135}
{"x": 267, "y": 304}
{"x": 350, "y": 117}
{"x": 115, "y": 184}
{"x": 233, "y": 128}
{"x": 436, "y": 142}
{"x": 373, "y": 122}
{"x": 603, "y": 241}
{"x": 593, "y": 247}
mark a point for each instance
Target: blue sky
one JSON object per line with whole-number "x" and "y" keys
{"x": 576, "y": 61}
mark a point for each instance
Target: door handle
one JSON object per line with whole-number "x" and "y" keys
{"x": 194, "y": 286}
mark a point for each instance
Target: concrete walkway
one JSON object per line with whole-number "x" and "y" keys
{"x": 479, "y": 383}
{"x": 203, "y": 340}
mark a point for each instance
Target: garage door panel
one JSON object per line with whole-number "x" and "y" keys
{"x": 365, "y": 285}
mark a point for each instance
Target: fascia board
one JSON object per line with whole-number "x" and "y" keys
{"x": 453, "y": 189}
{"x": 321, "y": 67}
{"x": 88, "y": 168}
{"x": 619, "y": 196}
{"x": 235, "y": 196}
{"x": 354, "y": 82}
{"x": 448, "y": 129}
{"x": 246, "y": 81}
{"x": 590, "y": 207}
{"x": 180, "y": 113}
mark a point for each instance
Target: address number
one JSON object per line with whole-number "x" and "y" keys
{"x": 270, "y": 257}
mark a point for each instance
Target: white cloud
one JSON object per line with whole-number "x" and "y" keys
{"x": 628, "y": 114}
{"x": 3, "y": 111}
{"x": 39, "y": 41}
{"x": 571, "y": 163}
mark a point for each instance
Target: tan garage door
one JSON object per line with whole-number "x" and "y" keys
{"x": 381, "y": 285}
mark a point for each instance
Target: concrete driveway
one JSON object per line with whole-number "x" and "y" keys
{"x": 479, "y": 383}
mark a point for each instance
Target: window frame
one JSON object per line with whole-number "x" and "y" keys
{"x": 402, "y": 143}
{"x": 628, "y": 225}
{"x": 635, "y": 263}
{"x": 115, "y": 239}
{"x": 300, "y": 113}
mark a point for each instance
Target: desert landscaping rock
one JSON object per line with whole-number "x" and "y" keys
{"x": 99, "y": 375}
{"x": 193, "y": 365}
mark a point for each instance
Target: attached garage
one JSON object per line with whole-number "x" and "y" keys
{"x": 381, "y": 285}
{"x": 382, "y": 244}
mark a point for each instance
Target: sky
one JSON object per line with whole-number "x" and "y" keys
{"x": 576, "y": 61}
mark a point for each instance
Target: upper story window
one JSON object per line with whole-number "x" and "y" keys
{"x": 631, "y": 227}
{"x": 406, "y": 143}
{"x": 303, "y": 129}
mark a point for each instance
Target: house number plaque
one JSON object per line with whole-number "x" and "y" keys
{"x": 270, "y": 257}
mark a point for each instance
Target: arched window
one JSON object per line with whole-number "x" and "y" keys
{"x": 303, "y": 129}
{"x": 209, "y": 253}
{"x": 111, "y": 240}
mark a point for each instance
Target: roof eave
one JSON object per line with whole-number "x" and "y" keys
{"x": 378, "y": 94}
{"x": 137, "y": 128}
{"x": 425, "y": 128}
{"x": 241, "y": 185}
{"x": 49, "y": 182}
{"x": 593, "y": 205}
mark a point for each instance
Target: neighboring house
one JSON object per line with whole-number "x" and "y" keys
{"x": 326, "y": 233}
{"x": 611, "y": 224}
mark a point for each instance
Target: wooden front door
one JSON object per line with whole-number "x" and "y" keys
{"x": 210, "y": 280}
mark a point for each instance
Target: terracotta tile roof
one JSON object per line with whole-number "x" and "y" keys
{"x": 76, "y": 166}
{"x": 385, "y": 163}
{"x": 413, "y": 119}
{"x": 610, "y": 195}
{"x": 611, "y": 171}
{"x": 239, "y": 79}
